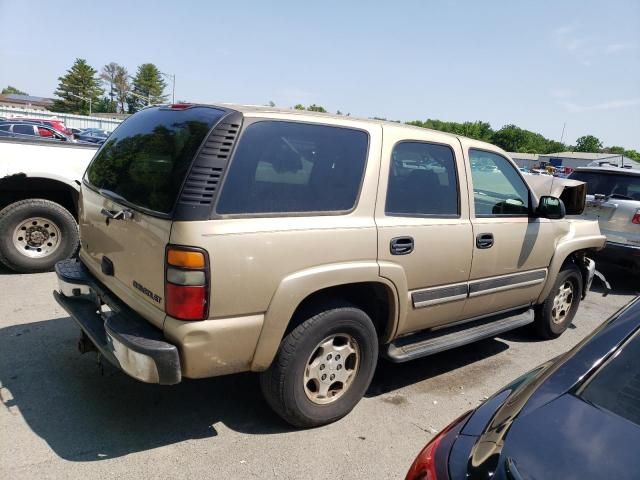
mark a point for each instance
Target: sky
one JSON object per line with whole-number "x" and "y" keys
{"x": 537, "y": 64}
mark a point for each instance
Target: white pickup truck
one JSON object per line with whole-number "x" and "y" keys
{"x": 39, "y": 186}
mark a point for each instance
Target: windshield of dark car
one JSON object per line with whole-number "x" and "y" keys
{"x": 616, "y": 386}
{"x": 610, "y": 183}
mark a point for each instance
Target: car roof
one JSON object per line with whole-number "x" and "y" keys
{"x": 262, "y": 109}
{"x": 608, "y": 169}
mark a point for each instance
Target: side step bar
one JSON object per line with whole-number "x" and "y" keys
{"x": 429, "y": 342}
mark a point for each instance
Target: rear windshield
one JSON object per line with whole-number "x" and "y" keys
{"x": 145, "y": 160}
{"x": 610, "y": 184}
{"x": 616, "y": 387}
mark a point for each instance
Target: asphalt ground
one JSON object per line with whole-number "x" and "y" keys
{"x": 62, "y": 417}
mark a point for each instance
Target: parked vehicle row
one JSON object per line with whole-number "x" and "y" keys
{"x": 50, "y": 129}
{"x": 302, "y": 245}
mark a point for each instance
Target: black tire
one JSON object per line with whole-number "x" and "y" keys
{"x": 283, "y": 383}
{"x": 549, "y": 324}
{"x": 10, "y": 219}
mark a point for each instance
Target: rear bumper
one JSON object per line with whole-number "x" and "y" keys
{"x": 124, "y": 338}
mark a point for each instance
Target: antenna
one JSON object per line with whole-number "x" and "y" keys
{"x": 563, "y": 127}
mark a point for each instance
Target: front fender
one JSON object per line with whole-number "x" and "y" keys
{"x": 295, "y": 288}
{"x": 583, "y": 235}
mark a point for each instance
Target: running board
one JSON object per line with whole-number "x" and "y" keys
{"x": 429, "y": 342}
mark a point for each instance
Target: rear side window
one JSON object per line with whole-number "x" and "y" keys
{"x": 616, "y": 387}
{"x": 146, "y": 158}
{"x": 290, "y": 167}
{"x": 422, "y": 181}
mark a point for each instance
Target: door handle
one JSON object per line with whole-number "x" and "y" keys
{"x": 401, "y": 245}
{"x": 484, "y": 240}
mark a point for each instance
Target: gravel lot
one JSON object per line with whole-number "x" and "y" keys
{"x": 62, "y": 418}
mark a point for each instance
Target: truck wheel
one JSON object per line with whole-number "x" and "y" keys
{"x": 556, "y": 313}
{"x": 322, "y": 368}
{"x": 35, "y": 234}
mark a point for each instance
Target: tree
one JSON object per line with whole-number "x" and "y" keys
{"x": 271, "y": 103}
{"x": 79, "y": 81}
{"x": 588, "y": 143}
{"x": 615, "y": 150}
{"x": 108, "y": 76}
{"x": 632, "y": 154}
{"x": 121, "y": 86}
{"x": 10, "y": 89}
{"x": 148, "y": 83}
{"x": 316, "y": 108}
{"x": 299, "y": 106}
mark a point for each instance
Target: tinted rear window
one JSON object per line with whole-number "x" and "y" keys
{"x": 610, "y": 184}
{"x": 146, "y": 158}
{"x": 616, "y": 387}
{"x": 287, "y": 167}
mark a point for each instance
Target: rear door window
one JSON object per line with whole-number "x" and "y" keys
{"x": 23, "y": 129}
{"x": 422, "y": 181}
{"x": 292, "y": 167}
{"x": 145, "y": 160}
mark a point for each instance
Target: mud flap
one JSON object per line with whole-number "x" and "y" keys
{"x": 605, "y": 284}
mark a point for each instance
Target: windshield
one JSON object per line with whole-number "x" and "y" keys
{"x": 623, "y": 186}
{"x": 616, "y": 387}
{"x": 145, "y": 160}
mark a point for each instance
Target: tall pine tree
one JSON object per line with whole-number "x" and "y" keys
{"x": 81, "y": 80}
{"x": 149, "y": 84}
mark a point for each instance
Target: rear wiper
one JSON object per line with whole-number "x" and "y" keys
{"x": 620, "y": 196}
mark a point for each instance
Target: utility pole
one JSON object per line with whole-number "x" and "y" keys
{"x": 171, "y": 76}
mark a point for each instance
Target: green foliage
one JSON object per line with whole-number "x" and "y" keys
{"x": 108, "y": 76}
{"x": 121, "y": 87}
{"x": 104, "y": 105}
{"x": 10, "y": 89}
{"x": 632, "y": 154}
{"x": 515, "y": 139}
{"x": 588, "y": 143}
{"x": 299, "y": 106}
{"x": 79, "y": 81}
{"x": 148, "y": 83}
{"x": 478, "y": 130}
{"x": 614, "y": 149}
{"x": 316, "y": 108}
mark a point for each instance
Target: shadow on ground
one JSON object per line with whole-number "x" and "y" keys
{"x": 86, "y": 416}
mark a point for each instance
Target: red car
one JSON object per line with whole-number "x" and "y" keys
{"x": 55, "y": 124}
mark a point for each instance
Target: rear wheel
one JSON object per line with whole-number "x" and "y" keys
{"x": 554, "y": 316}
{"x": 35, "y": 234}
{"x": 322, "y": 368}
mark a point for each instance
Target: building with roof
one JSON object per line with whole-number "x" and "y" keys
{"x": 583, "y": 159}
{"x": 571, "y": 159}
{"x": 15, "y": 100}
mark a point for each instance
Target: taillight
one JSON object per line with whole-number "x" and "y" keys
{"x": 186, "y": 292}
{"x": 430, "y": 464}
{"x": 636, "y": 217}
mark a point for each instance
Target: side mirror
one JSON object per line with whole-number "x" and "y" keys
{"x": 551, "y": 207}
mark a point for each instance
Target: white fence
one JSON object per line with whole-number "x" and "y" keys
{"x": 70, "y": 120}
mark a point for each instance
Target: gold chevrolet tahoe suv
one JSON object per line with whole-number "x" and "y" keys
{"x": 222, "y": 239}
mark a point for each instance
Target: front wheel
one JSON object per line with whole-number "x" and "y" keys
{"x": 35, "y": 234}
{"x": 555, "y": 314}
{"x": 323, "y": 367}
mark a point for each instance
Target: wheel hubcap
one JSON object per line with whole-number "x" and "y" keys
{"x": 562, "y": 302}
{"x": 331, "y": 368}
{"x": 36, "y": 237}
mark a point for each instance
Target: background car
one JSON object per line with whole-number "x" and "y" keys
{"x": 25, "y": 129}
{"x": 613, "y": 198}
{"x": 55, "y": 124}
{"x": 92, "y": 135}
{"x": 577, "y": 416}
